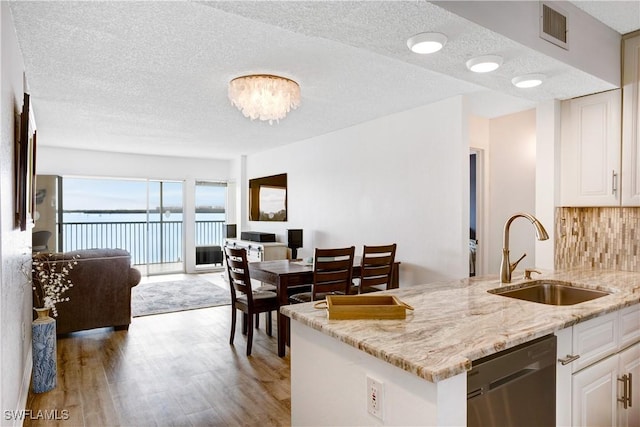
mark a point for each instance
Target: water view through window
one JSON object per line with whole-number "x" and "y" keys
{"x": 145, "y": 217}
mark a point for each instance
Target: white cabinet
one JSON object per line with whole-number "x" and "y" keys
{"x": 260, "y": 251}
{"x": 601, "y": 368}
{"x": 590, "y": 150}
{"x": 600, "y": 151}
{"x": 602, "y": 395}
{"x": 594, "y": 340}
{"x": 631, "y": 123}
{"x": 594, "y": 394}
{"x": 629, "y": 330}
{"x": 630, "y": 365}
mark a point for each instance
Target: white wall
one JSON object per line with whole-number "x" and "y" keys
{"x": 547, "y": 177}
{"x": 71, "y": 162}
{"x": 512, "y": 181}
{"x": 402, "y": 178}
{"x": 479, "y": 133}
{"x": 15, "y": 245}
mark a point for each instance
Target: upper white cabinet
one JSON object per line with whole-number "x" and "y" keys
{"x": 590, "y": 153}
{"x": 600, "y": 154}
{"x": 631, "y": 123}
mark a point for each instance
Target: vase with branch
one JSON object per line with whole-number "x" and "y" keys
{"x": 49, "y": 282}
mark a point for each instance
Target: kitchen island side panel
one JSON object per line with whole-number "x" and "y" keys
{"x": 329, "y": 387}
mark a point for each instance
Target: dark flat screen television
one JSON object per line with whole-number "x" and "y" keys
{"x": 268, "y": 198}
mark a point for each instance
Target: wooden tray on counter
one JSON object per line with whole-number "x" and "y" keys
{"x": 343, "y": 307}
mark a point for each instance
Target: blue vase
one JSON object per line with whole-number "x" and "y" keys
{"x": 44, "y": 352}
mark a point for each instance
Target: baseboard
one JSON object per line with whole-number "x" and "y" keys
{"x": 24, "y": 389}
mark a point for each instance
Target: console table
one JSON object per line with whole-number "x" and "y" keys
{"x": 260, "y": 251}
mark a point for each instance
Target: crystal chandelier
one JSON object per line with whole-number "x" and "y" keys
{"x": 264, "y": 97}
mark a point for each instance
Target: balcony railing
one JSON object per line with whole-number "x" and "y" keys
{"x": 154, "y": 242}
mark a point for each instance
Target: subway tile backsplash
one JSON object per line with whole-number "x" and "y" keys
{"x": 606, "y": 238}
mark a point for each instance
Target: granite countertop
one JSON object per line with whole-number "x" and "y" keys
{"x": 457, "y": 322}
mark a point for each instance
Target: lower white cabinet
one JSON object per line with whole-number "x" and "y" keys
{"x": 601, "y": 391}
{"x": 594, "y": 391}
{"x": 598, "y": 371}
{"x": 595, "y": 339}
{"x": 630, "y": 365}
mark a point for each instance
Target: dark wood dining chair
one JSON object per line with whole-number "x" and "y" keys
{"x": 376, "y": 268}
{"x": 244, "y": 298}
{"x": 332, "y": 274}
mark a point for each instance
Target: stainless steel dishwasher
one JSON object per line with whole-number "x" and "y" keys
{"x": 516, "y": 387}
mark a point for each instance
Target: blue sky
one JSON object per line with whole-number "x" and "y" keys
{"x": 93, "y": 194}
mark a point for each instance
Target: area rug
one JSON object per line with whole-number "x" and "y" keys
{"x": 179, "y": 295}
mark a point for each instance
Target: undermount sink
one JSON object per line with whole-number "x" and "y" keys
{"x": 549, "y": 292}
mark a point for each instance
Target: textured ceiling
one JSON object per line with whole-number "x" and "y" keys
{"x": 621, "y": 15}
{"x": 151, "y": 77}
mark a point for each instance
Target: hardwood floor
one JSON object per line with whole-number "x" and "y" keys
{"x": 174, "y": 369}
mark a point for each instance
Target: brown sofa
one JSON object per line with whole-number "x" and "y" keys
{"x": 101, "y": 292}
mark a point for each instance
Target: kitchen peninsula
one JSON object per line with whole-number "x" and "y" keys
{"x": 422, "y": 361}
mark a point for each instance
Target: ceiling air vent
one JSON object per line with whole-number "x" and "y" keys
{"x": 554, "y": 24}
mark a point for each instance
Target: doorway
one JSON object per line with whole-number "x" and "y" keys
{"x": 476, "y": 212}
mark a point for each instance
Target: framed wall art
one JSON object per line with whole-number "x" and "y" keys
{"x": 24, "y": 167}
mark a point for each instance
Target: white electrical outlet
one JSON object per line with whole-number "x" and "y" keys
{"x": 375, "y": 393}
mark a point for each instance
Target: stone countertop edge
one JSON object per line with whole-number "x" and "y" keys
{"x": 458, "y": 321}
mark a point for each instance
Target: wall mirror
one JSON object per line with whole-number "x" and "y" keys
{"x": 268, "y": 198}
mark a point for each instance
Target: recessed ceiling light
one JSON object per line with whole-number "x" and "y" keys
{"x": 530, "y": 80}
{"x": 425, "y": 43}
{"x": 484, "y": 64}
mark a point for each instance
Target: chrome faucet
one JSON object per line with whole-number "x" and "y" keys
{"x": 507, "y": 267}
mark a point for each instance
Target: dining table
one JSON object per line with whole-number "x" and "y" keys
{"x": 286, "y": 273}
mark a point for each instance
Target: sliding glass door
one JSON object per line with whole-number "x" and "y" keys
{"x": 165, "y": 225}
{"x": 145, "y": 217}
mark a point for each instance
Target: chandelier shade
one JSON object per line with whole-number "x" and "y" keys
{"x": 264, "y": 96}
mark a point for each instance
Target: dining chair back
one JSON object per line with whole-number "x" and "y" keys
{"x": 332, "y": 274}
{"x": 376, "y": 268}
{"x": 251, "y": 302}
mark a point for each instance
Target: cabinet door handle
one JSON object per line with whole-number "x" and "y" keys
{"x": 630, "y": 382}
{"x": 626, "y": 398}
{"x": 614, "y": 182}
{"x": 568, "y": 359}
